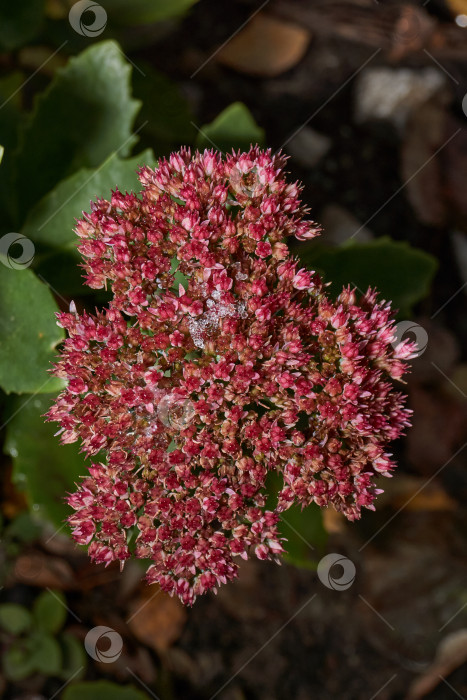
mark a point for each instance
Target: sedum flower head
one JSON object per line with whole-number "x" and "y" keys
{"x": 218, "y": 361}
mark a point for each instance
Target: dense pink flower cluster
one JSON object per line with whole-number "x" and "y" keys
{"x": 218, "y": 361}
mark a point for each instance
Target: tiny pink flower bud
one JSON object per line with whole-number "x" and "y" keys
{"x": 191, "y": 395}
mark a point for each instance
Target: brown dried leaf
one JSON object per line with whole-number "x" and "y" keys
{"x": 413, "y": 494}
{"x": 457, "y": 7}
{"x": 451, "y": 653}
{"x": 156, "y": 619}
{"x": 14, "y": 502}
{"x": 334, "y": 522}
{"x": 266, "y": 47}
{"x": 38, "y": 569}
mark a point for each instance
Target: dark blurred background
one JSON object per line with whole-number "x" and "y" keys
{"x": 369, "y": 100}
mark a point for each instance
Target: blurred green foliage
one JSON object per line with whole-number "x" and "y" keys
{"x": 103, "y": 690}
{"x": 20, "y": 22}
{"x": 34, "y": 642}
{"x": 90, "y": 106}
{"x": 234, "y": 127}
{"x": 42, "y": 467}
{"x": 401, "y": 274}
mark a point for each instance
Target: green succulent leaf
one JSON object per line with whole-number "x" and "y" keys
{"x": 42, "y": 467}
{"x": 17, "y": 662}
{"x": 11, "y": 119}
{"x": 305, "y": 535}
{"x": 19, "y": 22}
{"x": 60, "y": 267}
{"x": 303, "y": 530}
{"x": 49, "y": 611}
{"x": 23, "y": 529}
{"x": 10, "y": 102}
{"x": 28, "y": 331}
{"x": 52, "y": 220}
{"x": 84, "y": 116}
{"x": 74, "y": 657}
{"x": 165, "y": 113}
{"x": 102, "y": 690}
{"x": 235, "y": 127}
{"x": 146, "y": 11}
{"x": 14, "y": 618}
{"x": 46, "y": 655}
{"x": 401, "y": 274}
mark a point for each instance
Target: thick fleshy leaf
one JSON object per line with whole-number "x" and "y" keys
{"x": 102, "y": 690}
{"x": 17, "y": 662}
{"x": 85, "y": 114}
{"x": 74, "y": 657}
{"x": 401, "y": 274}
{"x": 52, "y": 220}
{"x": 145, "y": 11}
{"x": 61, "y": 269}
{"x": 28, "y": 332}
{"x": 19, "y": 22}
{"x": 233, "y": 128}
{"x": 14, "y": 618}
{"x": 46, "y": 654}
{"x": 42, "y": 467}
{"x": 305, "y": 535}
{"x": 11, "y": 119}
{"x": 303, "y": 530}
{"x": 23, "y": 529}
{"x": 165, "y": 112}
{"x": 49, "y": 611}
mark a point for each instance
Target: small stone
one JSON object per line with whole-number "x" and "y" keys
{"x": 384, "y": 93}
{"x": 266, "y": 47}
{"x": 308, "y": 147}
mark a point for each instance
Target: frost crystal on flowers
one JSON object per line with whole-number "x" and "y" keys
{"x": 218, "y": 361}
